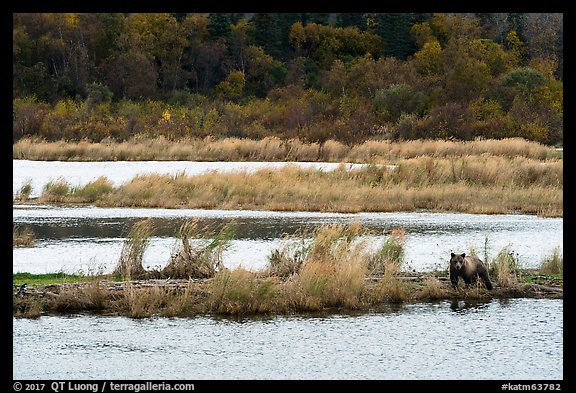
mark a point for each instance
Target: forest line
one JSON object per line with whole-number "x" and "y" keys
{"x": 314, "y": 77}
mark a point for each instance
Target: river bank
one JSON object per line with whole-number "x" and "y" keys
{"x": 492, "y": 185}
{"x": 239, "y": 292}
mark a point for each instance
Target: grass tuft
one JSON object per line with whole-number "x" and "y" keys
{"x": 198, "y": 260}
{"x": 130, "y": 262}
{"x": 505, "y": 268}
{"x": 23, "y": 236}
{"x": 553, "y": 264}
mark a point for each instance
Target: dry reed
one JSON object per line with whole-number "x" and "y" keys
{"x": 553, "y": 264}
{"x": 471, "y": 184}
{"x": 273, "y": 149}
{"x": 130, "y": 262}
{"x": 201, "y": 260}
{"x": 23, "y": 236}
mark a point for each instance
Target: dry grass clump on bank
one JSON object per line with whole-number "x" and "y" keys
{"x": 198, "y": 254}
{"x": 192, "y": 260}
{"x": 61, "y": 191}
{"x": 333, "y": 271}
{"x": 553, "y": 264}
{"x": 23, "y": 194}
{"x": 130, "y": 263}
{"x": 334, "y": 275}
{"x": 432, "y": 289}
{"x": 273, "y": 149}
{"x": 331, "y": 268}
{"x": 505, "y": 268}
{"x": 471, "y": 184}
{"x": 240, "y": 291}
{"x": 23, "y": 236}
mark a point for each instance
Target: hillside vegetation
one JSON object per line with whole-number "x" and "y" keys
{"x": 311, "y": 77}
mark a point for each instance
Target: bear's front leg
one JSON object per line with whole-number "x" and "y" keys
{"x": 454, "y": 280}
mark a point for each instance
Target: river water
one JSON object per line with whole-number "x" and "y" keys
{"x": 498, "y": 339}
{"x": 513, "y": 339}
{"x": 89, "y": 239}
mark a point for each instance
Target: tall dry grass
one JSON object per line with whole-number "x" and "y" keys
{"x": 467, "y": 184}
{"x": 432, "y": 289}
{"x": 273, "y": 149}
{"x": 505, "y": 268}
{"x": 334, "y": 270}
{"x": 552, "y": 264}
{"x": 198, "y": 255}
{"x": 130, "y": 265}
{"x": 389, "y": 257}
{"x": 23, "y": 236}
{"x": 240, "y": 291}
{"x": 331, "y": 268}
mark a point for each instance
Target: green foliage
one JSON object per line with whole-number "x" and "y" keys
{"x": 232, "y": 87}
{"x": 525, "y": 79}
{"x": 399, "y": 99}
{"x": 98, "y": 76}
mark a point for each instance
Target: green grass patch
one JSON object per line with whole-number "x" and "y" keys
{"x": 54, "y": 278}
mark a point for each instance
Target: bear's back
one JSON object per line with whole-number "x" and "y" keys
{"x": 473, "y": 264}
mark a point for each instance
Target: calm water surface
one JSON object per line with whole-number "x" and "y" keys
{"x": 90, "y": 239}
{"x": 515, "y": 339}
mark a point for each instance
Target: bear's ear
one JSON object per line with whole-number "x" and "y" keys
{"x": 452, "y": 254}
{"x": 463, "y": 255}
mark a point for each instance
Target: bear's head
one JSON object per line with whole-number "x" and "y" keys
{"x": 457, "y": 261}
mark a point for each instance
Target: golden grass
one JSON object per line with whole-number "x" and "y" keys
{"x": 191, "y": 260}
{"x": 240, "y": 291}
{"x": 273, "y": 149}
{"x": 433, "y": 289}
{"x": 480, "y": 176}
{"x": 553, "y": 264}
{"x": 132, "y": 254}
{"x": 471, "y": 184}
{"x": 505, "y": 268}
{"x": 23, "y": 236}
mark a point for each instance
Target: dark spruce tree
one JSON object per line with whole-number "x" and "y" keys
{"x": 219, "y": 25}
{"x": 395, "y": 30}
{"x": 351, "y": 20}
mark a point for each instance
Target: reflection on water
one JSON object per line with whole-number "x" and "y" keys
{"x": 517, "y": 339}
{"x": 81, "y": 238}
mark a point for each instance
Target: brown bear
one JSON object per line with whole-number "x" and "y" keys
{"x": 469, "y": 268}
